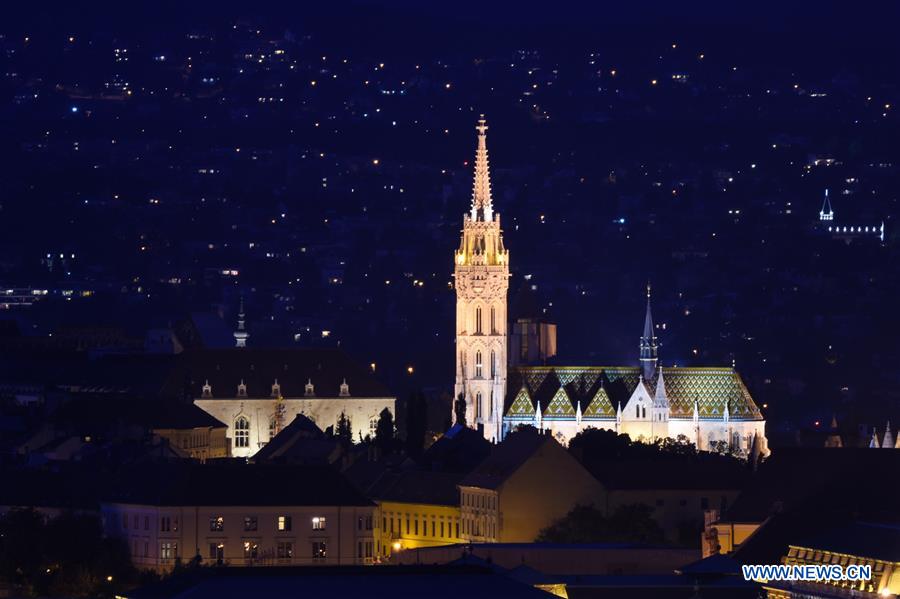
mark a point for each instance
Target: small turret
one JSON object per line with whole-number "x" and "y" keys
{"x": 241, "y": 335}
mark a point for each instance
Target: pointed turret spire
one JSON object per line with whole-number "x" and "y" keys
{"x": 660, "y": 397}
{"x": 578, "y": 412}
{"x": 888, "y": 441}
{"x": 482, "y": 206}
{"x": 826, "y": 213}
{"x": 241, "y": 334}
{"x": 538, "y": 415}
{"x": 649, "y": 346}
{"x": 873, "y": 444}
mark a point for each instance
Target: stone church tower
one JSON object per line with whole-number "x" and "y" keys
{"x": 481, "y": 274}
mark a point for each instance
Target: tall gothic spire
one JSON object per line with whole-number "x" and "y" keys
{"x": 241, "y": 334}
{"x": 826, "y": 213}
{"x": 482, "y": 206}
{"x": 648, "y": 344}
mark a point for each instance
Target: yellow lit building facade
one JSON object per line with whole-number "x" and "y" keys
{"x": 414, "y": 525}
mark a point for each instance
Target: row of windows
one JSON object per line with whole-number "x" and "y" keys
{"x": 251, "y": 523}
{"x": 478, "y": 327}
{"x": 242, "y": 429}
{"x": 480, "y": 500}
{"x": 439, "y": 529}
{"x": 472, "y": 527}
{"x": 479, "y": 363}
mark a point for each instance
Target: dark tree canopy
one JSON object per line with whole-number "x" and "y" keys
{"x": 587, "y": 524}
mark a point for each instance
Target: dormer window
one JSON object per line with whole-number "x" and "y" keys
{"x": 242, "y": 389}
{"x": 345, "y": 389}
{"x": 309, "y": 390}
{"x": 207, "y": 390}
{"x": 276, "y": 390}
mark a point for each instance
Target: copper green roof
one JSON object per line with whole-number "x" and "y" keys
{"x": 712, "y": 388}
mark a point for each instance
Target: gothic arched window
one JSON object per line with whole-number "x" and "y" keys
{"x": 493, "y": 364}
{"x": 478, "y": 405}
{"x": 479, "y": 366}
{"x": 637, "y": 411}
{"x": 493, "y": 321}
{"x": 478, "y": 321}
{"x": 272, "y": 426}
{"x": 241, "y": 432}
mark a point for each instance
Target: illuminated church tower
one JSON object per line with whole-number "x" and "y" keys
{"x": 481, "y": 274}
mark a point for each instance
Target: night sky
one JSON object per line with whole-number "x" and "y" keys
{"x": 148, "y": 150}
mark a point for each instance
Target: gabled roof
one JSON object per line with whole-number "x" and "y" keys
{"x": 712, "y": 388}
{"x": 506, "y": 459}
{"x": 560, "y": 406}
{"x": 301, "y": 441}
{"x": 417, "y": 486}
{"x": 325, "y": 368}
{"x": 600, "y": 406}
{"x": 521, "y": 405}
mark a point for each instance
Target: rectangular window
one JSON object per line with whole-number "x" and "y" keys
{"x": 146, "y": 548}
{"x": 146, "y": 522}
{"x": 369, "y": 522}
{"x": 285, "y": 550}
{"x": 457, "y": 529}
{"x": 383, "y": 523}
{"x": 359, "y": 523}
{"x": 137, "y": 522}
{"x": 442, "y": 528}
{"x": 250, "y": 523}
{"x": 125, "y": 521}
{"x": 251, "y": 550}
{"x": 168, "y": 550}
{"x": 283, "y": 524}
{"x": 165, "y": 524}
{"x": 432, "y": 527}
{"x": 407, "y": 523}
{"x": 216, "y": 524}
{"x": 217, "y": 552}
{"x": 416, "y": 525}
{"x": 319, "y": 550}
{"x": 318, "y": 523}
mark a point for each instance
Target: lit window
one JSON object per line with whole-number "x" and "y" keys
{"x": 284, "y": 523}
{"x": 318, "y": 523}
{"x": 251, "y": 550}
{"x": 217, "y": 524}
{"x": 241, "y": 432}
{"x": 168, "y": 550}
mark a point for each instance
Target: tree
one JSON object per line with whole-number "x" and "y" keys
{"x": 384, "y": 431}
{"x": 587, "y": 524}
{"x": 416, "y": 423}
{"x": 344, "y": 431}
{"x": 460, "y": 408}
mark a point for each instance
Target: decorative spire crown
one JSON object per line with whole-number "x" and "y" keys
{"x": 482, "y": 205}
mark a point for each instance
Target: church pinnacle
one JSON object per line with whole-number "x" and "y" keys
{"x": 482, "y": 206}
{"x": 649, "y": 345}
{"x": 241, "y": 334}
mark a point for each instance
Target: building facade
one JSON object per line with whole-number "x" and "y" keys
{"x": 481, "y": 279}
{"x": 256, "y": 393}
{"x": 305, "y": 517}
{"x": 506, "y": 499}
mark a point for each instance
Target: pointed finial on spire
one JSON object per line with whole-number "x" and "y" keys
{"x": 241, "y": 334}
{"x": 482, "y": 206}
{"x": 649, "y": 346}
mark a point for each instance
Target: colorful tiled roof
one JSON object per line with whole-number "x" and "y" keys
{"x": 601, "y": 388}
{"x": 600, "y": 406}
{"x": 560, "y": 406}
{"x": 521, "y": 406}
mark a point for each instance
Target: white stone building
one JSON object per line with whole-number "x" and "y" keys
{"x": 708, "y": 406}
{"x": 256, "y": 392}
